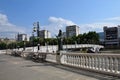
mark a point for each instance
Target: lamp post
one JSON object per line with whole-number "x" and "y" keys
{"x": 24, "y": 45}
{"x": 38, "y": 47}
{"x": 33, "y": 40}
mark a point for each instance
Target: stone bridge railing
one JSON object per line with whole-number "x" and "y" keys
{"x": 104, "y": 63}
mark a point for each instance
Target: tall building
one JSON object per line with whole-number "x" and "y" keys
{"x": 64, "y": 34}
{"x": 112, "y": 36}
{"x": 72, "y": 30}
{"x": 22, "y": 37}
{"x": 44, "y": 34}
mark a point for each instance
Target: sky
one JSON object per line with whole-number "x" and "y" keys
{"x": 18, "y": 16}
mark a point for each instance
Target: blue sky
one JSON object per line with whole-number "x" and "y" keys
{"x": 90, "y": 15}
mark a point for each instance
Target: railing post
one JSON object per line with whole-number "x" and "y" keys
{"x": 58, "y": 58}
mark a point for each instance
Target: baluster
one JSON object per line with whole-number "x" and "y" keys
{"x": 81, "y": 61}
{"x": 70, "y": 59}
{"x": 103, "y": 63}
{"x": 111, "y": 61}
{"x": 67, "y": 59}
{"x": 107, "y": 64}
{"x": 95, "y": 63}
{"x": 86, "y": 61}
{"x": 63, "y": 59}
{"x": 89, "y": 62}
{"x": 99, "y": 63}
{"x": 73, "y": 60}
{"x": 77, "y": 60}
{"x": 116, "y": 65}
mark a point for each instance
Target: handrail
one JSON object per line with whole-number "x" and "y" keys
{"x": 104, "y": 63}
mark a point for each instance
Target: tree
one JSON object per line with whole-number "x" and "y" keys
{"x": 88, "y": 38}
{"x": 93, "y": 37}
{"x": 3, "y": 45}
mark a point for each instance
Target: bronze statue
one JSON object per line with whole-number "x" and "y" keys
{"x": 59, "y": 37}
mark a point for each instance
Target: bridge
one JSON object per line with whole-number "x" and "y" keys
{"x": 54, "y": 48}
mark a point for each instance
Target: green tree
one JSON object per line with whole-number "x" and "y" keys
{"x": 3, "y": 45}
{"x": 93, "y": 37}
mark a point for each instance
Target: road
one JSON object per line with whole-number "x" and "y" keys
{"x": 16, "y": 68}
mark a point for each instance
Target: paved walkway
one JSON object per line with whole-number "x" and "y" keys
{"x": 15, "y": 68}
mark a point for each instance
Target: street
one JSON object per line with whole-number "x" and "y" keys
{"x": 16, "y": 68}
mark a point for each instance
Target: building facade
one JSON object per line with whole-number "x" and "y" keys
{"x": 72, "y": 30}
{"x": 22, "y": 37}
{"x": 64, "y": 34}
{"x": 112, "y": 36}
{"x": 44, "y": 34}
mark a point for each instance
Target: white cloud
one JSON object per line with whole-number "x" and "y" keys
{"x": 113, "y": 19}
{"x": 57, "y": 23}
{"x": 98, "y": 27}
{"x": 8, "y": 29}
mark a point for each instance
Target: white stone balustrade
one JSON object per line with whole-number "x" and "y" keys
{"x": 104, "y": 63}
{"x": 54, "y": 48}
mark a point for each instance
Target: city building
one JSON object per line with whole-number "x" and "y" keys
{"x": 72, "y": 30}
{"x": 22, "y": 37}
{"x": 44, "y": 34}
{"x": 64, "y": 34}
{"x": 112, "y": 36}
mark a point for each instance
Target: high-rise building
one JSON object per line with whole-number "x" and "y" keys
{"x": 72, "y": 30}
{"x": 22, "y": 37}
{"x": 112, "y": 36}
{"x": 44, "y": 34}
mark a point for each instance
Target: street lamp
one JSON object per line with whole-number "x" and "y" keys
{"x": 24, "y": 45}
{"x": 33, "y": 40}
{"x": 38, "y": 47}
